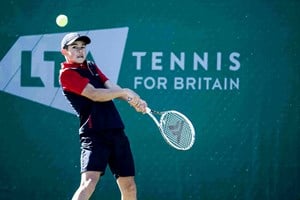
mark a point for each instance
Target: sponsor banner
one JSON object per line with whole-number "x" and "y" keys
{"x": 30, "y": 68}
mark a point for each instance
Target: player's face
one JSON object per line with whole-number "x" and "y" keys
{"x": 76, "y": 52}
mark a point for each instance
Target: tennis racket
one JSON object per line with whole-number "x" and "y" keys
{"x": 177, "y": 130}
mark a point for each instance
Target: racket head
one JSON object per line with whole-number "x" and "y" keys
{"x": 177, "y": 130}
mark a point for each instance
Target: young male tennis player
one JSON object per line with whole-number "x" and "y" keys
{"x": 102, "y": 137}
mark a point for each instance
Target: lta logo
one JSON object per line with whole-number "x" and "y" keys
{"x": 30, "y": 68}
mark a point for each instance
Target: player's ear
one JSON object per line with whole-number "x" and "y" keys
{"x": 64, "y": 52}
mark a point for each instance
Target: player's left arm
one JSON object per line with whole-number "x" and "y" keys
{"x": 133, "y": 99}
{"x": 110, "y": 85}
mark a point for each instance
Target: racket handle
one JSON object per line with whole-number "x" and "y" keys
{"x": 148, "y": 110}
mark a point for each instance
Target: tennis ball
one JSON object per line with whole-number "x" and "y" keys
{"x": 61, "y": 20}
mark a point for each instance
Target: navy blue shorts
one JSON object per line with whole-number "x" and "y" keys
{"x": 110, "y": 148}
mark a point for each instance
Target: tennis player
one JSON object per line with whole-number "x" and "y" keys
{"x": 102, "y": 137}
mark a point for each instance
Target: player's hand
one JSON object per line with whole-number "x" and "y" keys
{"x": 141, "y": 106}
{"x": 135, "y": 101}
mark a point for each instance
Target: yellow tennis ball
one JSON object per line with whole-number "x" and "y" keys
{"x": 61, "y": 20}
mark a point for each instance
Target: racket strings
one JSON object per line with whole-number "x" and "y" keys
{"x": 177, "y": 130}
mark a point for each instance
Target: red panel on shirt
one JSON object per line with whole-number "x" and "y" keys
{"x": 72, "y": 81}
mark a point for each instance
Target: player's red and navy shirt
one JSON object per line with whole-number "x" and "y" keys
{"x": 94, "y": 116}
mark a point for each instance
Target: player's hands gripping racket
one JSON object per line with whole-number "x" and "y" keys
{"x": 176, "y": 128}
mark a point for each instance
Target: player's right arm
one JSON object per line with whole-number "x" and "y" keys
{"x": 72, "y": 81}
{"x": 114, "y": 91}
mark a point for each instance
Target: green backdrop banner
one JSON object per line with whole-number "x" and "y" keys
{"x": 232, "y": 67}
